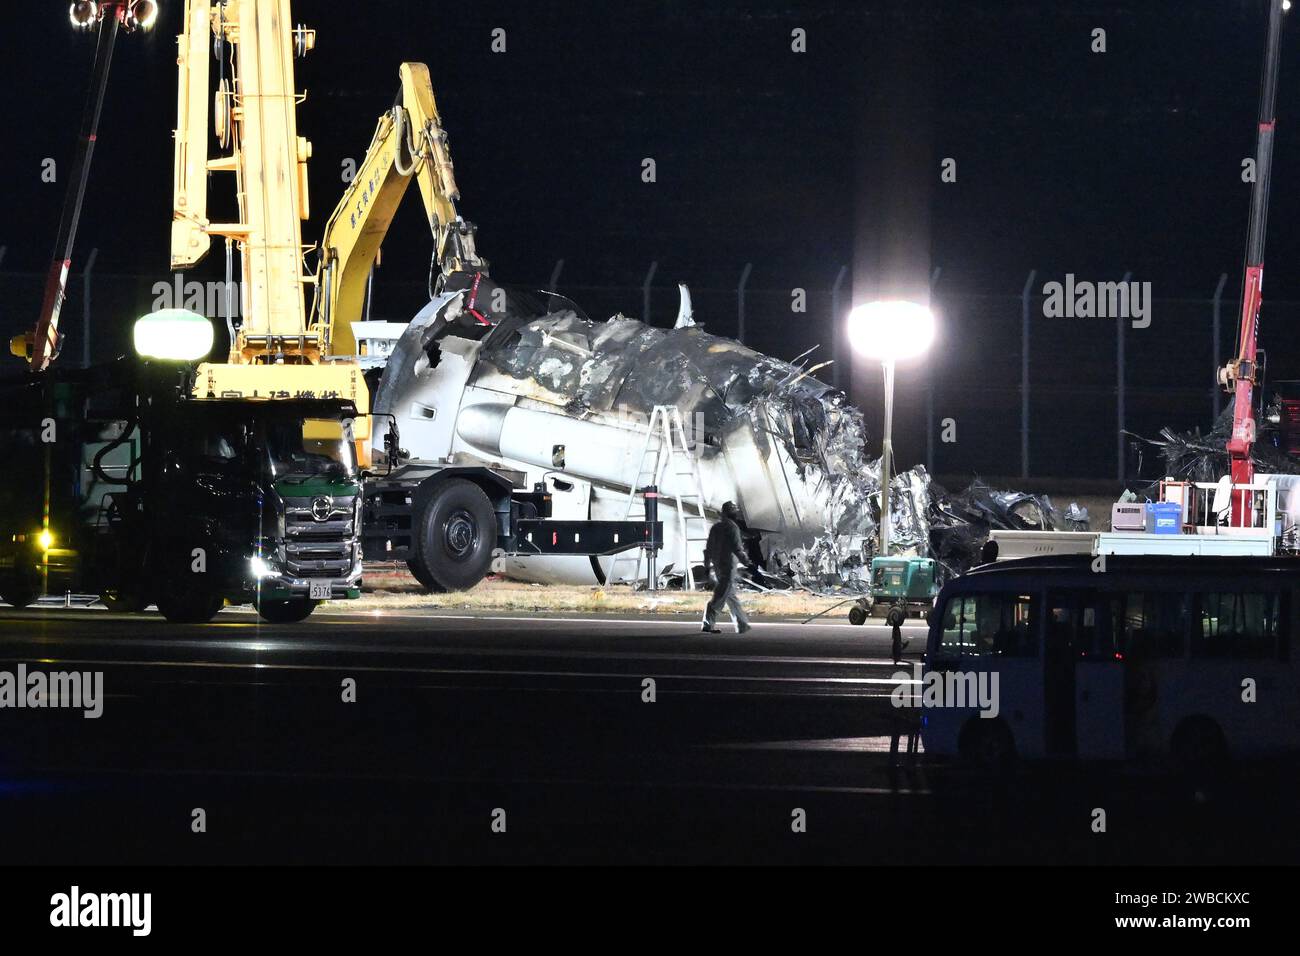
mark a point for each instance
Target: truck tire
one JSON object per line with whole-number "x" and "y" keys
{"x": 422, "y": 576}
{"x": 857, "y": 615}
{"x": 184, "y": 603}
{"x": 18, "y": 594}
{"x": 285, "y": 612}
{"x": 456, "y": 535}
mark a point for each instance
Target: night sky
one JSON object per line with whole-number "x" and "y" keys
{"x": 1068, "y": 161}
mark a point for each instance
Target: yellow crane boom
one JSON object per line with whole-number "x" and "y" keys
{"x": 276, "y": 352}
{"x": 256, "y": 115}
{"x": 409, "y": 143}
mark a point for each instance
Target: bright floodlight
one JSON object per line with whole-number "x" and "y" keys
{"x": 143, "y": 14}
{"x": 173, "y": 335}
{"x": 83, "y": 14}
{"x": 891, "y": 330}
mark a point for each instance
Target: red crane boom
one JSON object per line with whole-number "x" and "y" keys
{"x": 1239, "y": 376}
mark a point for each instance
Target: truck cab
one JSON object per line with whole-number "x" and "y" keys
{"x": 269, "y": 492}
{"x": 123, "y": 488}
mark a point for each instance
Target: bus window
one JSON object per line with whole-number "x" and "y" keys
{"x": 1079, "y": 623}
{"x": 1090, "y": 632}
{"x": 1154, "y": 625}
{"x": 1100, "y": 634}
{"x": 952, "y": 642}
{"x": 1059, "y": 626}
{"x": 1239, "y": 625}
{"x": 988, "y": 625}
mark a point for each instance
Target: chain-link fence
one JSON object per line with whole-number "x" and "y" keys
{"x": 1007, "y": 390}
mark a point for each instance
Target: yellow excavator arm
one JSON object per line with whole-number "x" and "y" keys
{"x": 409, "y": 143}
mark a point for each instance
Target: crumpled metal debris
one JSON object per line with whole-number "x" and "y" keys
{"x": 1076, "y": 518}
{"x": 796, "y": 447}
{"x": 1197, "y": 456}
{"x": 737, "y": 404}
{"x": 841, "y": 556}
{"x": 926, "y": 521}
{"x": 625, "y": 363}
{"x": 960, "y": 523}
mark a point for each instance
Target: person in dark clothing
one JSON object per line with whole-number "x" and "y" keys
{"x": 895, "y": 619}
{"x": 724, "y": 548}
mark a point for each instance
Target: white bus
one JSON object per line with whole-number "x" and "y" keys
{"x": 1152, "y": 657}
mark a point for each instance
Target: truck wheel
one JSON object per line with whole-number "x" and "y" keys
{"x": 285, "y": 612}
{"x": 457, "y": 534}
{"x": 17, "y": 594}
{"x": 189, "y": 605}
{"x": 426, "y": 582}
{"x": 857, "y": 615}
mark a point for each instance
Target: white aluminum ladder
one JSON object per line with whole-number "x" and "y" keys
{"x": 666, "y": 452}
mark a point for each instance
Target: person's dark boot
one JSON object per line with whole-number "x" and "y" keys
{"x": 710, "y": 630}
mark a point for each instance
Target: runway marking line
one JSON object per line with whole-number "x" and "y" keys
{"x": 528, "y": 781}
{"x": 521, "y": 619}
{"x": 457, "y": 670}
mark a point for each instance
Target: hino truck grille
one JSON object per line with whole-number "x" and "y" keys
{"x": 319, "y": 537}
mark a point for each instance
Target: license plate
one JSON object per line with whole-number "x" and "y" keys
{"x": 320, "y": 591}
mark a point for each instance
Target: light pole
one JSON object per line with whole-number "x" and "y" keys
{"x": 889, "y": 331}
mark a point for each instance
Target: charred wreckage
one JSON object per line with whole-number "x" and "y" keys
{"x": 587, "y": 413}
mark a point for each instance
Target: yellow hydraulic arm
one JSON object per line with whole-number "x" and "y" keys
{"x": 409, "y": 143}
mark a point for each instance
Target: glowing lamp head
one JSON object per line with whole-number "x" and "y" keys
{"x": 83, "y": 14}
{"x": 891, "y": 330}
{"x": 141, "y": 15}
{"x": 173, "y": 335}
{"x": 45, "y": 539}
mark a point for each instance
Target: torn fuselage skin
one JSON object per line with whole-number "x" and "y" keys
{"x": 568, "y": 401}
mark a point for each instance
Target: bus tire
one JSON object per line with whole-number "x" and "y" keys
{"x": 1198, "y": 745}
{"x": 857, "y": 615}
{"x": 987, "y": 744}
{"x": 285, "y": 612}
{"x": 457, "y": 533}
